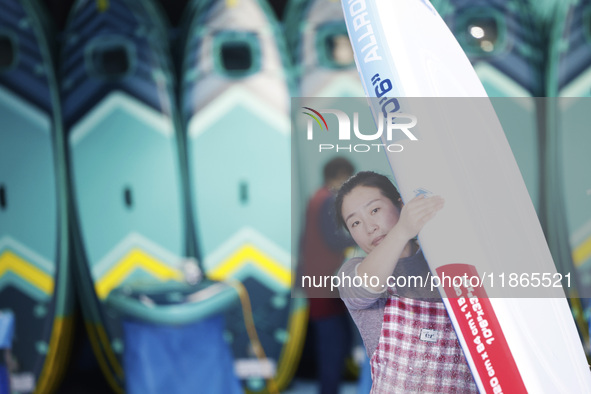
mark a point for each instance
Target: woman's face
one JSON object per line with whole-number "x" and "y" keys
{"x": 369, "y": 216}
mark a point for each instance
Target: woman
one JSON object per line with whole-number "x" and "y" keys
{"x": 406, "y": 330}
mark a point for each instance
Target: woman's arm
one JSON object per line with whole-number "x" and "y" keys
{"x": 382, "y": 260}
{"x": 354, "y": 296}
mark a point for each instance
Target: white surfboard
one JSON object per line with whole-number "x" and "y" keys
{"x": 488, "y": 226}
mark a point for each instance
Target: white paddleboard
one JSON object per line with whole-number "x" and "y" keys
{"x": 488, "y": 226}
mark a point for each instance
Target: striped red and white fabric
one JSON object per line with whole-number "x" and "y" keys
{"x": 418, "y": 351}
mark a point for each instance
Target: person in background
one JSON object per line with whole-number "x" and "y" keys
{"x": 323, "y": 246}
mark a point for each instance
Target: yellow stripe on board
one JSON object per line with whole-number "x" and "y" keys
{"x": 250, "y": 254}
{"x": 25, "y": 270}
{"x": 231, "y": 3}
{"x": 102, "y": 5}
{"x": 582, "y": 252}
{"x": 57, "y": 358}
{"x": 292, "y": 352}
{"x": 132, "y": 261}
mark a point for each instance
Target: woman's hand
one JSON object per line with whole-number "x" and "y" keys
{"x": 381, "y": 260}
{"x": 416, "y": 214}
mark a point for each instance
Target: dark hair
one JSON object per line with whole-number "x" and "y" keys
{"x": 369, "y": 179}
{"x": 336, "y": 167}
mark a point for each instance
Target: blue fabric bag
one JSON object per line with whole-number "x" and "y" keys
{"x": 6, "y": 334}
{"x": 191, "y": 358}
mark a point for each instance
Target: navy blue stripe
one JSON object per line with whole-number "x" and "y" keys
{"x": 577, "y": 58}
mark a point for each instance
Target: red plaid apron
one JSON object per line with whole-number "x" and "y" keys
{"x": 419, "y": 351}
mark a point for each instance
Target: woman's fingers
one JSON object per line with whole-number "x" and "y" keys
{"x": 421, "y": 204}
{"x": 428, "y": 215}
{"x": 419, "y": 211}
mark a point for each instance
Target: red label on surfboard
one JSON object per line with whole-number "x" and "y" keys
{"x": 481, "y": 330}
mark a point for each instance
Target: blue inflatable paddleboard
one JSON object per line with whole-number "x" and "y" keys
{"x": 567, "y": 141}
{"x": 504, "y": 45}
{"x": 35, "y": 280}
{"x": 324, "y": 66}
{"x": 235, "y": 106}
{"x": 573, "y": 85}
{"x": 124, "y": 164}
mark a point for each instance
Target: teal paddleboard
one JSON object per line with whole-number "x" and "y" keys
{"x": 502, "y": 40}
{"x": 235, "y": 103}
{"x": 325, "y": 69}
{"x": 34, "y": 261}
{"x": 124, "y": 165}
{"x": 568, "y": 140}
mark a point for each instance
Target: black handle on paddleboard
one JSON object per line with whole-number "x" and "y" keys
{"x": 128, "y": 198}
{"x": 7, "y": 51}
{"x": 2, "y": 197}
{"x": 243, "y": 192}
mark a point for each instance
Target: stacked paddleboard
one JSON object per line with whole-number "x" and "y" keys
{"x": 34, "y": 271}
{"x": 506, "y": 50}
{"x": 504, "y": 44}
{"x": 325, "y": 70}
{"x": 321, "y": 52}
{"x": 235, "y": 107}
{"x": 506, "y": 47}
{"x": 567, "y": 141}
{"x": 124, "y": 164}
{"x": 489, "y": 223}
